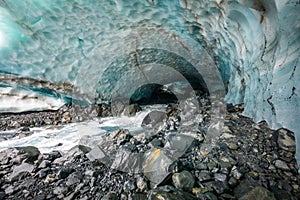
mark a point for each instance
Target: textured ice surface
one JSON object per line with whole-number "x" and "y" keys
{"x": 107, "y": 48}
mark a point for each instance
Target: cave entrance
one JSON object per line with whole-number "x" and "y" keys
{"x": 151, "y": 94}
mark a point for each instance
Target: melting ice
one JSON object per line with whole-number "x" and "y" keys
{"x": 86, "y": 51}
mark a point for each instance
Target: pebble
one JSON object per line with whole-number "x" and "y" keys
{"x": 233, "y": 146}
{"x": 236, "y": 173}
{"x": 64, "y": 172}
{"x": 220, "y": 177}
{"x": 183, "y": 180}
{"x": 227, "y": 135}
{"x": 281, "y": 165}
{"x": 221, "y": 172}
{"x": 141, "y": 184}
{"x": 286, "y": 140}
{"x": 203, "y": 176}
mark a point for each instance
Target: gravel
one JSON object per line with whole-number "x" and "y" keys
{"x": 247, "y": 160}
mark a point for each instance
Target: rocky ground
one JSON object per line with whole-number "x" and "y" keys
{"x": 248, "y": 161}
{"x": 64, "y": 115}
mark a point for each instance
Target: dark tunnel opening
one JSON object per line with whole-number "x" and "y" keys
{"x": 157, "y": 94}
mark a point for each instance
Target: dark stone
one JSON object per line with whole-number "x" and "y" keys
{"x": 64, "y": 172}
{"x": 139, "y": 196}
{"x": 200, "y": 166}
{"x": 220, "y": 177}
{"x": 74, "y": 179}
{"x": 260, "y": 192}
{"x": 236, "y": 173}
{"x": 40, "y": 197}
{"x": 232, "y": 182}
{"x": 2, "y": 195}
{"x": 18, "y": 155}
{"x": 217, "y": 186}
{"x": 207, "y": 196}
{"x": 183, "y": 180}
{"x": 97, "y": 154}
{"x": 60, "y": 190}
{"x": 29, "y": 153}
{"x": 110, "y": 196}
{"x": 43, "y": 173}
{"x": 242, "y": 188}
{"x": 131, "y": 110}
{"x": 169, "y": 193}
{"x": 52, "y": 155}
{"x": 44, "y": 164}
{"x": 72, "y": 196}
{"x": 281, "y": 165}
{"x": 77, "y": 151}
{"x": 203, "y": 176}
{"x": 286, "y": 140}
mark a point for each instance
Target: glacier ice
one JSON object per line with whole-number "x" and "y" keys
{"x": 91, "y": 50}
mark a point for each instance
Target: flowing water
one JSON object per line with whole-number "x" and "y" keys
{"x": 64, "y": 137}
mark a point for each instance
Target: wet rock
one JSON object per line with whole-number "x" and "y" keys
{"x": 44, "y": 164}
{"x": 183, "y": 180}
{"x": 20, "y": 171}
{"x": 9, "y": 190}
{"x": 60, "y": 190}
{"x": 153, "y": 119}
{"x": 156, "y": 165}
{"x": 232, "y": 182}
{"x": 29, "y": 153}
{"x": 128, "y": 161}
{"x": 169, "y": 193}
{"x": 18, "y": 155}
{"x": 131, "y": 110}
{"x": 64, "y": 172}
{"x": 286, "y": 140}
{"x": 97, "y": 154}
{"x": 110, "y": 196}
{"x": 74, "y": 178}
{"x": 242, "y": 188}
{"x": 77, "y": 151}
{"x": 203, "y": 176}
{"x": 138, "y": 196}
{"x": 233, "y": 146}
{"x": 72, "y": 196}
{"x": 220, "y": 177}
{"x": 260, "y": 192}
{"x": 23, "y": 132}
{"x": 207, "y": 196}
{"x": 236, "y": 173}
{"x": 217, "y": 186}
{"x": 120, "y": 136}
{"x": 178, "y": 144}
{"x": 52, "y": 155}
{"x": 129, "y": 185}
{"x": 156, "y": 143}
{"x": 281, "y": 165}
{"x": 43, "y": 173}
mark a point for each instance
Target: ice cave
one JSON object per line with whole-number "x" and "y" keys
{"x": 82, "y": 52}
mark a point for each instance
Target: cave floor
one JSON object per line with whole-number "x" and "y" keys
{"x": 248, "y": 161}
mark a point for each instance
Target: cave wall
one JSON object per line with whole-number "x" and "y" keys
{"x": 254, "y": 45}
